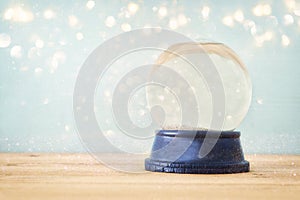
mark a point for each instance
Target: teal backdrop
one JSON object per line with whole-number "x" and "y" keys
{"x": 44, "y": 43}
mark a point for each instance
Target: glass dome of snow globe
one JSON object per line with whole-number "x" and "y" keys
{"x": 207, "y": 96}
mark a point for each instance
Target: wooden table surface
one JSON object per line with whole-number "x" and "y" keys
{"x": 80, "y": 176}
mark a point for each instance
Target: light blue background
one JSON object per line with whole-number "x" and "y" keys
{"x": 36, "y": 108}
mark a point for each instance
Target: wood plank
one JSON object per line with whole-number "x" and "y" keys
{"x": 80, "y": 176}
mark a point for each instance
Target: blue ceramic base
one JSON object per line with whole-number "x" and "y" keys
{"x": 170, "y": 153}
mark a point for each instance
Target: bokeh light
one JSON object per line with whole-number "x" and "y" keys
{"x": 43, "y": 44}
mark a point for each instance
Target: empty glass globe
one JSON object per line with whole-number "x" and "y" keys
{"x": 193, "y": 63}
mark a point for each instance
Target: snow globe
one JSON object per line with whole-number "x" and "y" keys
{"x": 208, "y": 95}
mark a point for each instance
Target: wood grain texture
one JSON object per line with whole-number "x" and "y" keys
{"x": 79, "y": 176}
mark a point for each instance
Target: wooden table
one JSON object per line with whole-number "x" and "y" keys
{"x": 79, "y": 176}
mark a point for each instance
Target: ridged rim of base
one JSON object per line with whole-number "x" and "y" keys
{"x": 196, "y": 168}
{"x": 198, "y": 133}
